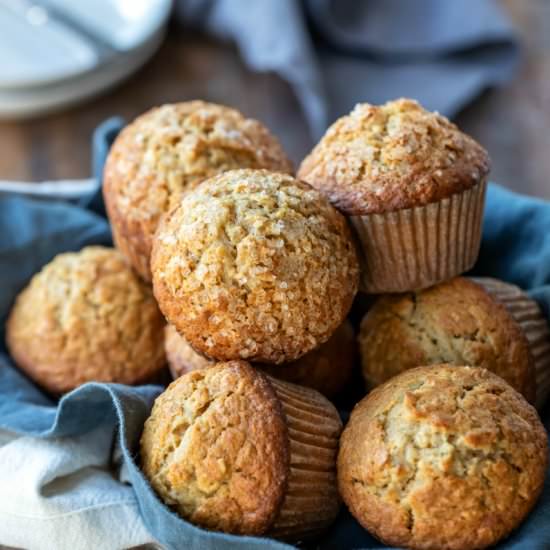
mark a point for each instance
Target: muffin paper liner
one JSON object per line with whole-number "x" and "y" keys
{"x": 419, "y": 247}
{"x": 527, "y": 313}
{"x": 312, "y": 501}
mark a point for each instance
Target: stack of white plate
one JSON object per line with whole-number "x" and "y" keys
{"x": 54, "y": 53}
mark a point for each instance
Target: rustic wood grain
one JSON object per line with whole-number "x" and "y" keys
{"x": 513, "y": 122}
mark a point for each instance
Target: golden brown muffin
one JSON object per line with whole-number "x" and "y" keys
{"x": 234, "y": 450}
{"x": 381, "y": 158}
{"x": 181, "y": 357}
{"x": 413, "y": 186}
{"x": 528, "y": 315}
{"x": 86, "y": 317}
{"x": 456, "y": 322}
{"x": 442, "y": 458}
{"x": 254, "y": 265}
{"x": 168, "y": 151}
{"x": 326, "y": 369}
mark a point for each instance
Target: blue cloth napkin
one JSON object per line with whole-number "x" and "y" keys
{"x": 333, "y": 52}
{"x": 516, "y": 247}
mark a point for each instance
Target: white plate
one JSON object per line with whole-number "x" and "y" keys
{"x": 20, "y": 103}
{"x": 46, "y": 41}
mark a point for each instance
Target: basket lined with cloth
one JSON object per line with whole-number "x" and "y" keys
{"x": 69, "y": 470}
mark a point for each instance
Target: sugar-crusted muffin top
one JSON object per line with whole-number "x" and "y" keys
{"x": 381, "y": 158}
{"x": 170, "y": 150}
{"x": 456, "y": 322}
{"x": 86, "y": 316}
{"x": 442, "y": 457}
{"x": 254, "y": 265}
{"x": 216, "y": 449}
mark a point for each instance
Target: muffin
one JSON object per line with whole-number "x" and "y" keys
{"x": 86, "y": 317}
{"x": 326, "y": 369}
{"x": 254, "y": 265}
{"x": 442, "y": 458}
{"x": 181, "y": 357}
{"x": 168, "y": 151}
{"x": 231, "y": 449}
{"x": 528, "y": 315}
{"x": 456, "y": 322}
{"x": 412, "y": 185}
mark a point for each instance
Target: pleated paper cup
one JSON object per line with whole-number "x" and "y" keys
{"x": 415, "y": 248}
{"x": 528, "y": 315}
{"x": 312, "y": 501}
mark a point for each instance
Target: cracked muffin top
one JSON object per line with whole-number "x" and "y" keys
{"x": 254, "y": 265}
{"x": 326, "y": 369}
{"x": 168, "y": 151}
{"x": 382, "y": 158}
{"x": 86, "y": 317}
{"x": 455, "y": 322}
{"x": 440, "y": 457}
{"x": 215, "y": 448}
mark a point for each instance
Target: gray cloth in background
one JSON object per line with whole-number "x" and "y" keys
{"x": 336, "y": 53}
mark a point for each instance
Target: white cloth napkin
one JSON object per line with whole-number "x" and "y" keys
{"x": 66, "y": 494}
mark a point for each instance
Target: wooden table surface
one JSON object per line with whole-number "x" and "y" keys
{"x": 513, "y": 122}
